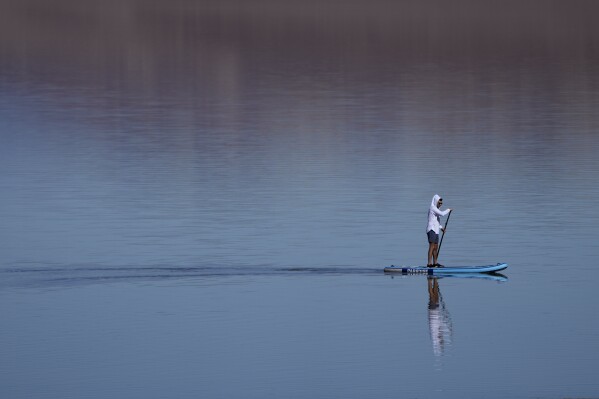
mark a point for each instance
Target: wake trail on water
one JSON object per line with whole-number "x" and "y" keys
{"x": 40, "y": 276}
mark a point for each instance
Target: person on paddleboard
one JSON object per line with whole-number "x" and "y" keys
{"x": 432, "y": 229}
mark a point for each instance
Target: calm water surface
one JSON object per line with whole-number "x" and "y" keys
{"x": 198, "y": 198}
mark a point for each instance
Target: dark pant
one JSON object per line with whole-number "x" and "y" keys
{"x": 433, "y": 238}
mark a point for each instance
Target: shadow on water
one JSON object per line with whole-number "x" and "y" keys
{"x": 439, "y": 319}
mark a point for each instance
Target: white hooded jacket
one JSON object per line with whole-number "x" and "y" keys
{"x": 434, "y": 215}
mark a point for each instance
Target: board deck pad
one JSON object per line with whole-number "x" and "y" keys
{"x": 446, "y": 269}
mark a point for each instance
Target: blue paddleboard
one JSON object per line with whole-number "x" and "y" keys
{"x": 445, "y": 270}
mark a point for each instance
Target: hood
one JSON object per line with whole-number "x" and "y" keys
{"x": 436, "y": 199}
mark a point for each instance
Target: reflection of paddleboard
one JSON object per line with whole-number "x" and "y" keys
{"x": 445, "y": 270}
{"x": 479, "y": 276}
{"x": 498, "y": 277}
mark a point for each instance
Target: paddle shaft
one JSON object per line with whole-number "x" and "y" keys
{"x": 443, "y": 235}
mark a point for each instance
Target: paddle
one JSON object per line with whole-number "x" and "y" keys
{"x": 443, "y": 235}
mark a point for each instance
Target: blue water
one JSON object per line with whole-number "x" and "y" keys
{"x": 198, "y": 199}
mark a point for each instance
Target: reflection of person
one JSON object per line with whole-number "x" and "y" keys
{"x": 439, "y": 321}
{"x": 432, "y": 230}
